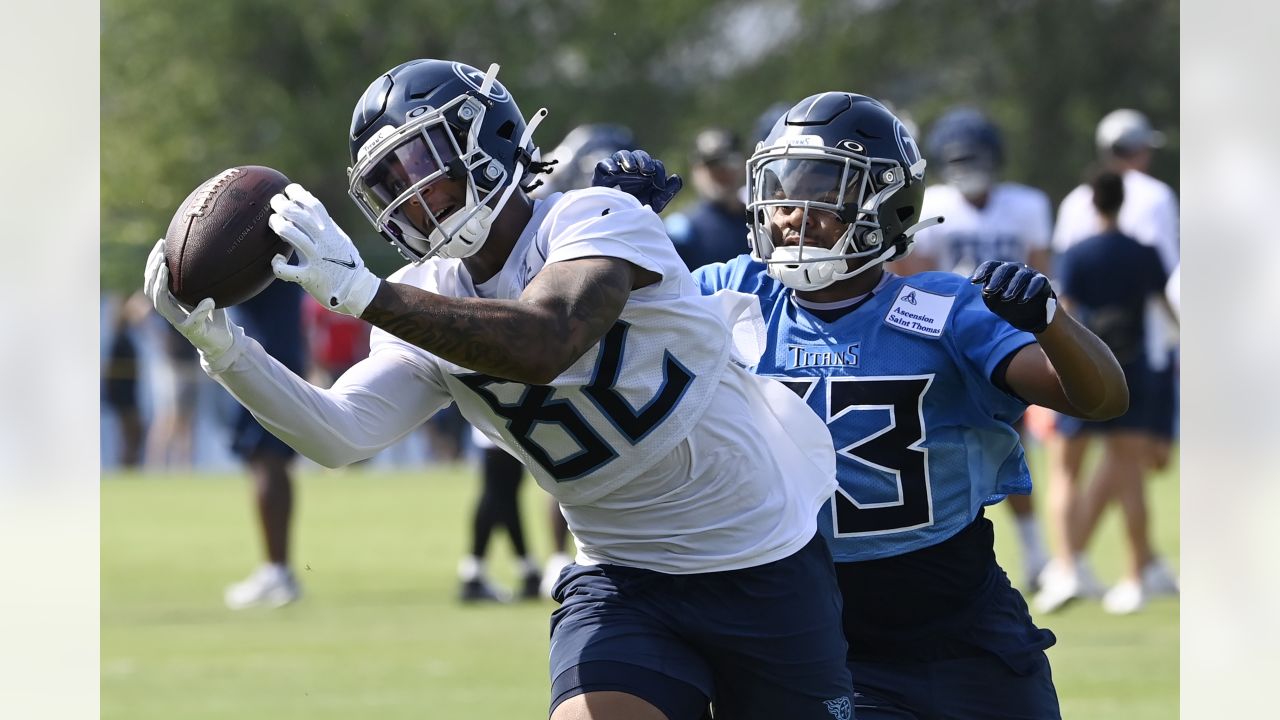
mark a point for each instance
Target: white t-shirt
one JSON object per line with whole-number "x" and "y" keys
{"x": 1015, "y": 221}
{"x": 662, "y": 450}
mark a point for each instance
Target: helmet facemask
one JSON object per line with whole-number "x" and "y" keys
{"x": 818, "y": 179}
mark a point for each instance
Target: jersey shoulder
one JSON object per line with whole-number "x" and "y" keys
{"x": 741, "y": 274}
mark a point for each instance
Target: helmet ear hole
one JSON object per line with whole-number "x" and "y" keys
{"x": 506, "y": 130}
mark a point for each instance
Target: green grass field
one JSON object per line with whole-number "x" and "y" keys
{"x": 379, "y": 633}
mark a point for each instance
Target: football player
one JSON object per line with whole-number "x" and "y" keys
{"x": 919, "y": 380}
{"x": 560, "y": 327}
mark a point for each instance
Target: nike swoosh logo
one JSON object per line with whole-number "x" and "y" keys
{"x": 344, "y": 263}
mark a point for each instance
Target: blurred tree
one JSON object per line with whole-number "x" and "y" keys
{"x": 191, "y": 87}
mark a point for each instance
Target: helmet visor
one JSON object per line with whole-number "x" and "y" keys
{"x": 392, "y": 182}
{"x": 820, "y": 184}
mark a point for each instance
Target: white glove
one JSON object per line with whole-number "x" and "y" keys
{"x": 329, "y": 266}
{"x": 206, "y": 327}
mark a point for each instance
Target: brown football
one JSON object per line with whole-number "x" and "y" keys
{"x": 219, "y": 244}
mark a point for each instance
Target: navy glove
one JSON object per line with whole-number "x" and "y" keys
{"x": 1017, "y": 293}
{"x": 636, "y": 174}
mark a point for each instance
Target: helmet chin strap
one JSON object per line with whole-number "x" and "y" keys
{"x": 474, "y": 229}
{"x": 821, "y": 274}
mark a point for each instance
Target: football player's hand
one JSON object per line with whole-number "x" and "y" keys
{"x": 329, "y": 267}
{"x": 1017, "y": 293}
{"x": 206, "y": 327}
{"x": 637, "y": 174}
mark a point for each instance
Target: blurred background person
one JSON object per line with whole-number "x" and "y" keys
{"x": 987, "y": 218}
{"x": 174, "y": 382}
{"x": 275, "y": 317}
{"x": 120, "y": 375}
{"x": 1126, "y": 143}
{"x": 714, "y": 228}
{"x": 499, "y": 505}
{"x": 1107, "y": 280}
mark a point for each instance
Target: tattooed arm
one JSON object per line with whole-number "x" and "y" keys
{"x": 565, "y": 310}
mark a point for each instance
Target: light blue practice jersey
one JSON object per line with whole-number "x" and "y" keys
{"x": 923, "y": 438}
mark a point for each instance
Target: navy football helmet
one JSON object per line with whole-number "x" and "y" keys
{"x": 838, "y": 153}
{"x": 426, "y": 120}
{"x": 969, "y": 147}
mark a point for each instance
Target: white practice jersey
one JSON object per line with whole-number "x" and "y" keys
{"x": 663, "y": 452}
{"x": 1149, "y": 215}
{"x": 1016, "y": 220}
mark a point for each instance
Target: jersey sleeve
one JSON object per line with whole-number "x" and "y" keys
{"x": 711, "y": 278}
{"x": 375, "y": 403}
{"x": 984, "y": 339}
{"x": 603, "y": 222}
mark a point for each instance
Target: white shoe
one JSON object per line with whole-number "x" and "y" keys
{"x": 1158, "y": 579}
{"x": 269, "y": 586}
{"x": 1060, "y": 585}
{"x": 1124, "y": 597}
{"x": 551, "y": 573}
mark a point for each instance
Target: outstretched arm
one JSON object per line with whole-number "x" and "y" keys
{"x": 565, "y": 310}
{"x": 1068, "y": 368}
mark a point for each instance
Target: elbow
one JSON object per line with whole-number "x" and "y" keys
{"x": 334, "y": 457}
{"x": 542, "y": 371}
{"x": 1116, "y": 404}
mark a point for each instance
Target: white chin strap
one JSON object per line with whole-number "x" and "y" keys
{"x": 815, "y": 274}
{"x": 785, "y": 267}
{"x": 463, "y": 235}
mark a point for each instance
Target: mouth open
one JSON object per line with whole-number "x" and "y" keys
{"x": 444, "y": 212}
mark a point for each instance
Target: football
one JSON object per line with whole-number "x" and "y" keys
{"x": 219, "y": 244}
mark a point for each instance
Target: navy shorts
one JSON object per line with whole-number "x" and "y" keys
{"x": 940, "y": 632}
{"x": 1150, "y": 406}
{"x": 981, "y": 686}
{"x": 760, "y": 643}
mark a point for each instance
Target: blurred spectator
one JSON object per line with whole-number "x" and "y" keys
{"x": 274, "y": 318}
{"x": 175, "y": 378}
{"x": 499, "y": 504}
{"x": 986, "y": 219}
{"x": 120, "y": 377}
{"x": 335, "y": 341}
{"x": 714, "y": 229}
{"x": 1106, "y": 282}
{"x": 1125, "y": 143}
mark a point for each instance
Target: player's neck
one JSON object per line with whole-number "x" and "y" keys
{"x": 503, "y": 234}
{"x": 859, "y": 284}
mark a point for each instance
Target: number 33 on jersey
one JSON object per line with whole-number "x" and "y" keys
{"x": 923, "y": 438}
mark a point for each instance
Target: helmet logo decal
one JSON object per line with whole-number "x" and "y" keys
{"x": 851, "y": 146}
{"x": 906, "y": 144}
{"x": 474, "y": 77}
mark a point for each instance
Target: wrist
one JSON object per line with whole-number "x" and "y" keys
{"x": 360, "y": 291}
{"x": 218, "y": 355}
